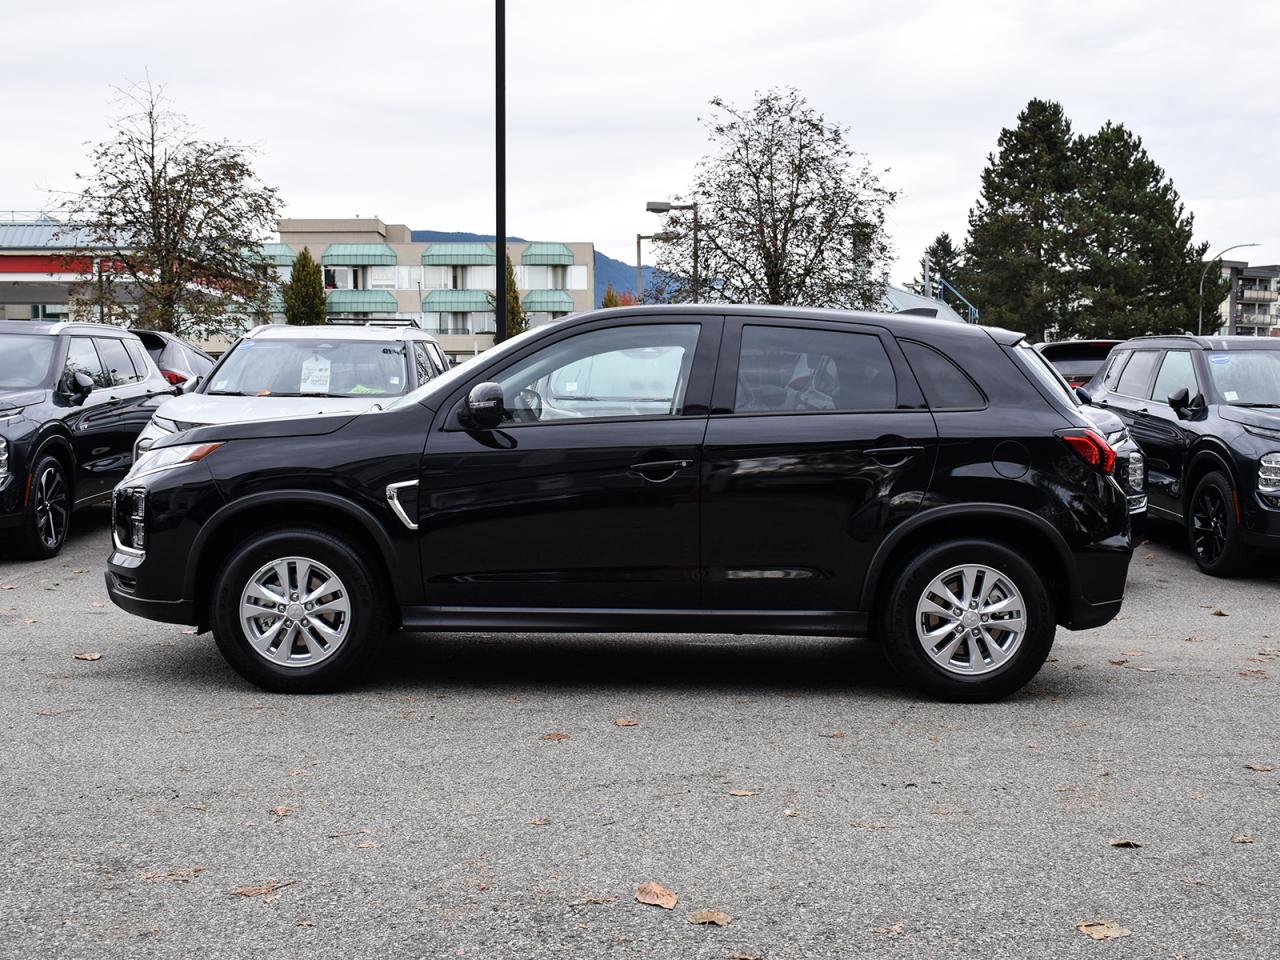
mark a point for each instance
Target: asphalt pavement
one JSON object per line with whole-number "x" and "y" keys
{"x": 156, "y": 805}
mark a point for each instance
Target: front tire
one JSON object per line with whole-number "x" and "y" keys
{"x": 968, "y": 621}
{"x": 297, "y": 611}
{"x": 47, "y": 514}
{"x": 1212, "y": 530}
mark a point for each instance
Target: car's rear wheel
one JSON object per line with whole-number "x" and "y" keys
{"x": 1212, "y": 529}
{"x": 296, "y": 611}
{"x": 47, "y": 514}
{"x": 968, "y": 621}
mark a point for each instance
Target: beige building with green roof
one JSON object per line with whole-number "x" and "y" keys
{"x": 374, "y": 270}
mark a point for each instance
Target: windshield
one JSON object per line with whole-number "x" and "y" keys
{"x": 1247, "y": 378}
{"x": 312, "y": 368}
{"x": 24, "y": 360}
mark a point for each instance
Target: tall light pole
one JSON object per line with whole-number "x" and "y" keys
{"x": 1204, "y": 273}
{"x": 666, "y": 236}
{"x": 500, "y": 165}
{"x": 662, "y": 206}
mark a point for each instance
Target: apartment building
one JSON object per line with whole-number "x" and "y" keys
{"x": 1253, "y": 306}
{"x": 374, "y": 270}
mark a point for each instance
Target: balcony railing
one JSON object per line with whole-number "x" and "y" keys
{"x": 1259, "y": 296}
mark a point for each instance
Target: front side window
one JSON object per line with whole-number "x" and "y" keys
{"x": 83, "y": 358}
{"x": 1176, "y": 372}
{"x": 1137, "y": 374}
{"x": 25, "y": 360}
{"x": 637, "y": 371}
{"x": 313, "y": 368}
{"x": 797, "y": 369}
{"x": 1247, "y": 378}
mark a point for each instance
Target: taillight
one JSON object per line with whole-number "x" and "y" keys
{"x": 1091, "y": 448}
{"x": 174, "y": 377}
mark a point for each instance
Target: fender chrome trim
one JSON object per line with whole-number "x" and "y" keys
{"x": 393, "y": 498}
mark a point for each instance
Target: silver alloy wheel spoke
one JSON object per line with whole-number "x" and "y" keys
{"x": 280, "y": 615}
{"x": 971, "y": 619}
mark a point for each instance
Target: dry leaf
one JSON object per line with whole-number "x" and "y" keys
{"x": 1220, "y": 613}
{"x": 1149, "y": 556}
{"x": 1125, "y": 844}
{"x": 1255, "y": 673}
{"x": 555, "y": 736}
{"x": 368, "y": 845}
{"x": 305, "y": 923}
{"x": 742, "y": 793}
{"x": 1193, "y": 639}
{"x": 706, "y": 917}
{"x": 271, "y": 886}
{"x": 626, "y": 722}
{"x": 656, "y": 895}
{"x": 894, "y": 931}
{"x": 181, "y": 875}
{"x": 29, "y": 621}
{"x": 281, "y": 811}
{"x": 790, "y": 812}
{"x": 539, "y": 821}
{"x": 1117, "y": 663}
{"x": 833, "y": 735}
{"x": 1259, "y": 767}
{"x": 81, "y": 656}
{"x": 1103, "y": 929}
{"x": 1241, "y": 838}
{"x": 1193, "y": 882}
{"x": 7, "y": 586}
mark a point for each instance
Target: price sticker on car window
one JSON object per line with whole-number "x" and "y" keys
{"x": 315, "y": 375}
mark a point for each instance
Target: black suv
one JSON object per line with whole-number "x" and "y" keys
{"x": 73, "y": 397}
{"x": 674, "y": 469}
{"x": 1206, "y": 412}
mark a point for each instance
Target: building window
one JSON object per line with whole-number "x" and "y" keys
{"x": 49, "y": 311}
{"x": 576, "y": 277}
{"x": 534, "y": 277}
{"x": 408, "y": 278}
{"x": 481, "y": 323}
{"x": 478, "y": 278}
{"x": 437, "y": 278}
{"x": 341, "y": 278}
{"x": 382, "y": 278}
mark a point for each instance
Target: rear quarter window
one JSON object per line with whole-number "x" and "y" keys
{"x": 945, "y": 386}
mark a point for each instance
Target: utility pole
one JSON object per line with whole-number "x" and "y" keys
{"x": 500, "y": 165}
{"x": 927, "y": 285}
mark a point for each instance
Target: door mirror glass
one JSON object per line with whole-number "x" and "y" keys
{"x": 482, "y": 409}
{"x": 528, "y": 406}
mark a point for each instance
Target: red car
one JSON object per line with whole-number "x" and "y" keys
{"x": 1077, "y": 360}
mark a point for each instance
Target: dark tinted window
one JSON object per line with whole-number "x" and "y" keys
{"x": 116, "y": 360}
{"x": 799, "y": 369}
{"x": 1113, "y": 371}
{"x": 945, "y": 385}
{"x": 1136, "y": 377}
{"x": 83, "y": 358}
{"x": 1176, "y": 371}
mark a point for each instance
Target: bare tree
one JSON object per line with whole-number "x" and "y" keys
{"x": 175, "y": 222}
{"x": 788, "y": 213}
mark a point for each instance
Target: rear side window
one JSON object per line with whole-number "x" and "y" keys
{"x": 116, "y": 360}
{"x": 1113, "y": 371}
{"x": 1136, "y": 377}
{"x": 139, "y": 357}
{"x": 802, "y": 370}
{"x": 945, "y": 386}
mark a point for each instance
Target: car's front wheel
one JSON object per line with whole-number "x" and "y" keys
{"x": 47, "y": 513}
{"x": 1212, "y": 529}
{"x": 968, "y": 621}
{"x": 296, "y": 611}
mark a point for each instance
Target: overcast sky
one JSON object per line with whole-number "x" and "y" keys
{"x": 384, "y": 109}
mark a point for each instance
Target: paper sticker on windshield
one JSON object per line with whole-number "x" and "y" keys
{"x": 1219, "y": 358}
{"x": 1231, "y": 396}
{"x": 315, "y": 375}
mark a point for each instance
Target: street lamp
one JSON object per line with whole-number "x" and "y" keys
{"x": 1204, "y": 273}
{"x": 500, "y": 169}
{"x": 666, "y": 237}
{"x": 663, "y": 206}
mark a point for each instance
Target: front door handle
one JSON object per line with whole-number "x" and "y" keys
{"x": 659, "y": 471}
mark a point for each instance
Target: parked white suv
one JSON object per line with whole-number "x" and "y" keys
{"x": 277, "y": 372}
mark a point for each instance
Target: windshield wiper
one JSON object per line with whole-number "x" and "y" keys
{"x": 1249, "y": 404}
{"x": 226, "y": 393}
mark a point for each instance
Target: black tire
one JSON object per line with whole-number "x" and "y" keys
{"x": 46, "y": 517}
{"x": 906, "y": 651}
{"x": 366, "y": 617}
{"x": 1212, "y": 531}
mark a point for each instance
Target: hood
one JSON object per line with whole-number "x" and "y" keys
{"x": 1268, "y": 418}
{"x": 12, "y": 401}
{"x": 197, "y": 410}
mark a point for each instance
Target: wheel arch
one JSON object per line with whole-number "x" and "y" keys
{"x": 60, "y": 446}
{"x": 1206, "y": 460}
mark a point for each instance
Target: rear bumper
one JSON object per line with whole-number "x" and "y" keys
{"x": 1102, "y": 571}
{"x": 1083, "y": 615}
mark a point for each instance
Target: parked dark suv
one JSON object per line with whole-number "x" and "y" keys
{"x": 73, "y": 397}
{"x": 1206, "y": 412}
{"x": 672, "y": 469}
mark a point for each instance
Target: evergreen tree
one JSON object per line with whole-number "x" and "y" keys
{"x": 1136, "y": 267}
{"x": 517, "y": 319}
{"x": 1015, "y": 261}
{"x": 944, "y": 261}
{"x": 303, "y": 295}
{"x": 610, "y": 298}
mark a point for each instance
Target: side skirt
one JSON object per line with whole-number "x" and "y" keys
{"x": 797, "y": 623}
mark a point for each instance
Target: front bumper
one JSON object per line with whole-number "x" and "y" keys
{"x": 1260, "y": 523}
{"x": 121, "y": 589}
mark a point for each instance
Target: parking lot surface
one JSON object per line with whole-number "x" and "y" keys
{"x": 156, "y": 805}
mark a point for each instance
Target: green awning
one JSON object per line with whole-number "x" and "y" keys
{"x": 459, "y": 254}
{"x": 358, "y": 255}
{"x": 362, "y": 301}
{"x": 547, "y": 254}
{"x": 547, "y": 301}
{"x": 457, "y": 301}
{"x": 280, "y": 254}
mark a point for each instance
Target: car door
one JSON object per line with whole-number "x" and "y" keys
{"x": 818, "y": 443}
{"x": 587, "y": 495}
{"x": 94, "y": 425}
{"x": 1132, "y": 391}
{"x": 120, "y": 417}
{"x": 1164, "y": 437}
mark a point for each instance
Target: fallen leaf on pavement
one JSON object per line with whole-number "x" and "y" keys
{"x": 1193, "y": 881}
{"x": 281, "y": 811}
{"x": 1241, "y": 838}
{"x": 1149, "y": 556}
{"x": 742, "y": 793}
{"x": 833, "y": 735}
{"x": 869, "y": 826}
{"x": 707, "y": 917}
{"x": 555, "y": 736}
{"x": 1220, "y": 613}
{"x": 1125, "y": 844}
{"x": 1255, "y": 673}
{"x": 656, "y": 895}
{"x": 790, "y": 813}
{"x": 84, "y": 656}
{"x": 1117, "y": 663}
{"x": 181, "y": 875}
{"x": 305, "y": 923}
{"x": 893, "y": 931}
{"x": 7, "y": 586}
{"x": 28, "y": 621}
{"x": 1103, "y": 929}
{"x": 539, "y": 821}
{"x": 626, "y": 722}
{"x": 1193, "y": 639}
{"x": 271, "y": 886}
{"x": 1259, "y": 767}
{"x": 368, "y": 845}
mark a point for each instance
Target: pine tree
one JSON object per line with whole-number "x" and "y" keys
{"x": 303, "y": 295}
{"x": 943, "y": 256}
{"x": 517, "y": 319}
{"x": 610, "y": 298}
{"x": 1015, "y": 257}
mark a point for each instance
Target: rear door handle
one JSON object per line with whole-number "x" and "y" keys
{"x": 659, "y": 471}
{"x": 894, "y": 456}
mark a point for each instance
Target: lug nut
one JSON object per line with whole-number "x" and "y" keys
{"x": 293, "y": 596}
{"x": 974, "y": 631}
{"x": 973, "y": 604}
{"x": 310, "y": 605}
{"x": 985, "y": 618}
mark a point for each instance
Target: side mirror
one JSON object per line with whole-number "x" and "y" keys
{"x": 188, "y": 386}
{"x": 1180, "y": 400}
{"x": 482, "y": 409}
{"x": 81, "y": 385}
{"x": 1085, "y": 396}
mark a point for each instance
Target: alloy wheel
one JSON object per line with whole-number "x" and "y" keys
{"x": 1209, "y": 525}
{"x": 51, "y": 507}
{"x": 971, "y": 619}
{"x": 295, "y": 612}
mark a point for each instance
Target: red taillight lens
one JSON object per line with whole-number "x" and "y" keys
{"x": 1091, "y": 448}
{"x": 173, "y": 377}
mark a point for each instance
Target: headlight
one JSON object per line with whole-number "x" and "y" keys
{"x": 166, "y": 458}
{"x": 1136, "y": 476}
{"x": 1269, "y": 475}
{"x": 164, "y": 424}
{"x": 4, "y": 458}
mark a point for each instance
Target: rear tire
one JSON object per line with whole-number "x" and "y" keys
{"x": 968, "y": 621}
{"x": 46, "y": 517}
{"x": 1212, "y": 531}
{"x": 297, "y": 611}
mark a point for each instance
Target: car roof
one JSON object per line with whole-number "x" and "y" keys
{"x": 1186, "y": 340}
{"x": 338, "y": 331}
{"x": 54, "y": 328}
